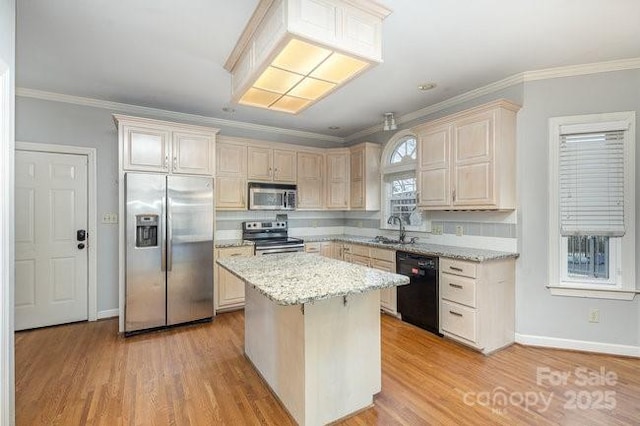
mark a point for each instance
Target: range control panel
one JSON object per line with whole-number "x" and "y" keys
{"x": 264, "y": 225}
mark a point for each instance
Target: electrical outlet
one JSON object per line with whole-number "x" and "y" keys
{"x": 459, "y": 230}
{"x": 360, "y": 224}
{"x": 594, "y": 315}
{"x": 436, "y": 229}
{"x": 314, "y": 223}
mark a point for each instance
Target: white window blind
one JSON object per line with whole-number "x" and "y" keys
{"x": 591, "y": 173}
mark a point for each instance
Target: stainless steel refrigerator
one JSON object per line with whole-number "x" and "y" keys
{"x": 169, "y": 252}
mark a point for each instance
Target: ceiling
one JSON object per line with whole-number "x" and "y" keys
{"x": 170, "y": 54}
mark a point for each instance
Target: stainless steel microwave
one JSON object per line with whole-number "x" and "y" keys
{"x": 271, "y": 196}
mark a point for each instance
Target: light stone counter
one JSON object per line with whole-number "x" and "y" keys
{"x": 452, "y": 252}
{"x": 298, "y": 278}
{"x": 232, "y": 243}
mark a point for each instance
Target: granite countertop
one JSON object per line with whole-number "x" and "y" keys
{"x": 298, "y": 278}
{"x": 232, "y": 243}
{"x": 452, "y": 252}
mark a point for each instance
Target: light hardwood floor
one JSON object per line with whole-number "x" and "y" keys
{"x": 85, "y": 373}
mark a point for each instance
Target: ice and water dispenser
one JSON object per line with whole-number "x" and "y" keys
{"x": 146, "y": 230}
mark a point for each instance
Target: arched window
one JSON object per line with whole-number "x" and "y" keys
{"x": 399, "y": 183}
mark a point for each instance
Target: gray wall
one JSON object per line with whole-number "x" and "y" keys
{"x": 539, "y": 313}
{"x": 67, "y": 124}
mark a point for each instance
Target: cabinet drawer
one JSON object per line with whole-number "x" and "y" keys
{"x": 235, "y": 251}
{"x": 382, "y": 254}
{"x": 458, "y": 267}
{"x": 360, "y": 250}
{"x": 312, "y": 247}
{"x": 458, "y": 320}
{"x": 359, "y": 260}
{"x": 383, "y": 265}
{"x": 458, "y": 289}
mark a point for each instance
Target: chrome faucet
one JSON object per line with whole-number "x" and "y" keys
{"x": 397, "y": 219}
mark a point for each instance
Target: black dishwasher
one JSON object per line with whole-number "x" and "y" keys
{"x": 418, "y": 301}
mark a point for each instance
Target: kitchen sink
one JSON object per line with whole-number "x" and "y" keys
{"x": 384, "y": 240}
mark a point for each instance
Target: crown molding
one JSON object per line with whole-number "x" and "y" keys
{"x": 583, "y": 69}
{"x": 171, "y": 115}
{"x": 543, "y": 74}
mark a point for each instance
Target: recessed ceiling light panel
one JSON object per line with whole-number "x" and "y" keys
{"x": 290, "y": 55}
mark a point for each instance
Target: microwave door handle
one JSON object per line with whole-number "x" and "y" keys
{"x": 285, "y": 199}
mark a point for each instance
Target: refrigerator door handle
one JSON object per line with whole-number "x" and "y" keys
{"x": 163, "y": 244}
{"x": 169, "y": 236}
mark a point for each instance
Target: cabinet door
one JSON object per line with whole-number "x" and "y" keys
{"x": 231, "y": 160}
{"x": 231, "y": 193}
{"x": 357, "y": 164}
{"x": 473, "y": 166}
{"x": 326, "y": 249}
{"x": 193, "y": 153}
{"x": 310, "y": 183}
{"x": 337, "y": 181}
{"x": 145, "y": 149}
{"x": 260, "y": 163}
{"x": 230, "y": 289}
{"x": 356, "y": 194}
{"x": 434, "y": 167}
{"x": 284, "y": 166}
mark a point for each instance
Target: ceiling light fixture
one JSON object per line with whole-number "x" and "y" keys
{"x": 295, "y": 52}
{"x": 389, "y": 122}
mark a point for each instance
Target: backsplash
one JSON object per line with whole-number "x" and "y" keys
{"x": 495, "y": 230}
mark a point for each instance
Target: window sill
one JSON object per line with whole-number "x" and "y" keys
{"x": 593, "y": 293}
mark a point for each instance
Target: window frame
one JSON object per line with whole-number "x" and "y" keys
{"x": 388, "y": 169}
{"x": 621, "y": 283}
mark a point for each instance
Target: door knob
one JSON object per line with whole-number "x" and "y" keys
{"x": 81, "y": 246}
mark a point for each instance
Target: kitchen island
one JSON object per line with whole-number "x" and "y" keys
{"x": 312, "y": 330}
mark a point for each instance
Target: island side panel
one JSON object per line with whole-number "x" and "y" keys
{"x": 274, "y": 342}
{"x": 342, "y": 356}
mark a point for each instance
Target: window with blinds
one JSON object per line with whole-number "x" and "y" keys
{"x": 591, "y": 178}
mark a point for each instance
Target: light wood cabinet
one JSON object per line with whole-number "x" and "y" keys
{"x": 310, "y": 181}
{"x": 377, "y": 258}
{"x": 365, "y": 177}
{"x": 229, "y": 289}
{"x": 337, "y": 179}
{"x": 160, "y": 146}
{"x": 271, "y": 165}
{"x": 323, "y": 248}
{"x": 231, "y": 173}
{"x": 467, "y": 160}
{"x": 477, "y": 302}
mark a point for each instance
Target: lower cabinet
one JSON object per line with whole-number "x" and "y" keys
{"x": 228, "y": 289}
{"x": 376, "y": 258}
{"x": 477, "y": 302}
{"x": 324, "y": 248}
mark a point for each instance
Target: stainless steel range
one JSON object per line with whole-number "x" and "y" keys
{"x": 271, "y": 237}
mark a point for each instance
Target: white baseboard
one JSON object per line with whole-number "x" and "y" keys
{"x": 109, "y": 313}
{"x": 578, "y": 345}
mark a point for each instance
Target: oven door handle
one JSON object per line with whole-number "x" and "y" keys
{"x": 279, "y": 250}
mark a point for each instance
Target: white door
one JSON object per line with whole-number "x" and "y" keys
{"x": 51, "y": 264}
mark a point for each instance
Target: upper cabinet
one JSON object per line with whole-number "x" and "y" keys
{"x": 231, "y": 176}
{"x": 310, "y": 181}
{"x": 467, "y": 160}
{"x": 271, "y": 165}
{"x": 337, "y": 179}
{"x": 160, "y": 146}
{"x": 365, "y": 177}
